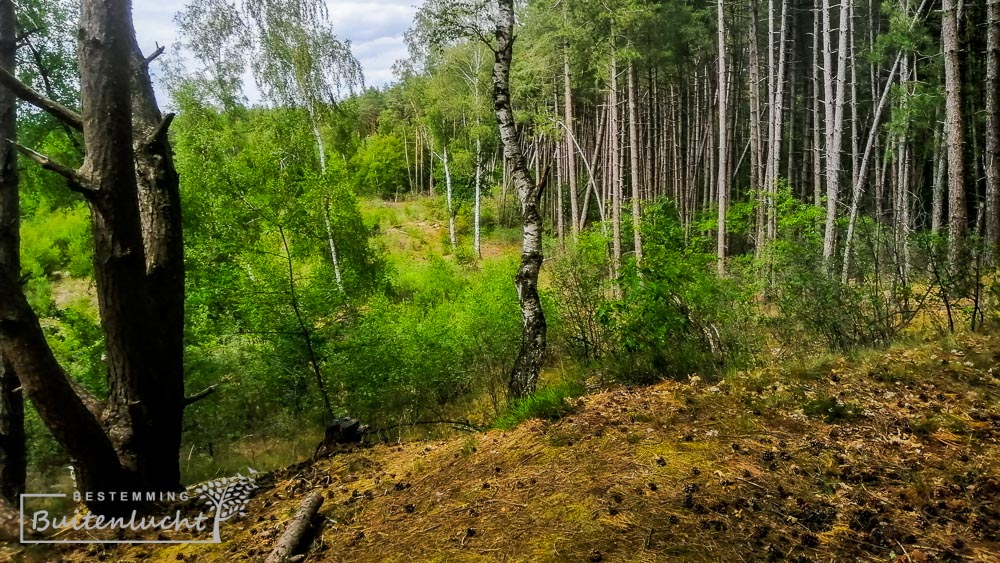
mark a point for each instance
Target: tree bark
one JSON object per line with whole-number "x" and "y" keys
{"x": 937, "y": 189}
{"x": 321, "y": 151}
{"x": 451, "y": 210}
{"x": 158, "y": 190}
{"x": 863, "y": 169}
{"x": 993, "y": 126}
{"x": 570, "y": 139}
{"x": 723, "y": 182}
{"x": 634, "y": 151}
{"x": 296, "y": 530}
{"x": 776, "y": 97}
{"x": 756, "y": 140}
{"x": 954, "y": 129}
{"x": 817, "y": 145}
{"x": 616, "y": 175}
{"x": 524, "y": 375}
{"x": 476, "y": 243}
{"x": 13, "y": 459}
{"x": 130, "y": 183}
{"x": 835, "y": 122}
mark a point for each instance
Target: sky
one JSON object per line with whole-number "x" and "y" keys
{"x": 374, "y": 27}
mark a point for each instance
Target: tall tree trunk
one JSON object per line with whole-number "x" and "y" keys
{"x": 937, "y": 189}
{"x": 870, "y": 147}
{"x": 476, "y": 242}
{"x": 528, "y": 365}
{"x": 723, "y": 181}
{"x": 131, "y": 441}
{"x": 993, "y": 126}
{"x": 119, "y": 249}
{"x": 817, "y": 144}
{"x": 321, "y": 150}
{"x": 448, "y": 193}
{"x": 634, "y": 151}
{"x": 954, "y": 129}
{"x": 756, "y": 139}
{"x": 835, "y": 126}
{"x": 13, "y": 460}
{"x": 570, "y": 138}
{"x": 158, "y": 186}
{"x": 616, "y": 175}
{"x": 777, "y": 97}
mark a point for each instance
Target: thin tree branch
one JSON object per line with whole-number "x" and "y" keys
{"x": 154, "y": 55}
{"x": 27, "y": 34}
{"x": 35, "y": 98}
{"x": 459, "y": 424}
{"x": 192, "y": 399}
{"x": 45, "y": 75}
{"x": 77, "y": 182}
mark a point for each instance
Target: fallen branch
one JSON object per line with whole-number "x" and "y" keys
{"x": 296, "y": 529}
{"x": 458, "y": 424}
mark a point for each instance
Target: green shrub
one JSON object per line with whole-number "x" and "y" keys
{"x": 581, "y": 289}
{"x": 549, "y": 403}
{"x": 676, "y": 316}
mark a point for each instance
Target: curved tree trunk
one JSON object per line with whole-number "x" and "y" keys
{"x": 12, "y": 445}
{"x": 524, "y": 375}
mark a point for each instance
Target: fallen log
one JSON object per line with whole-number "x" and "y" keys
{"x": 296, "y": 529}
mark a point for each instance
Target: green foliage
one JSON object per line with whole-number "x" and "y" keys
{"x": 57, "y": 240}
{"x": 676, "y": 317}
{"x": 380, "y": 167}
{"x": 812, "y": 299}
{"x": 406, "y": 361}
{"x": 832, "y": 409}
{"x": 581, "y": 288}
{"x": 549, "y": 403}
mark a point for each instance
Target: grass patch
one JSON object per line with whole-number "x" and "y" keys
{"x": 831, "y": 409}
{"x": 549, "y": 403}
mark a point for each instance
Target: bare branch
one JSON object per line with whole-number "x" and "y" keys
{"x": 160, "y": 132}
{"x": 191, "y": 399}
{"x": 22, "y": 37}
{"x": 35, "y": 98}
{"x": 154, "y": 55}
{"x": 77, "y": 182}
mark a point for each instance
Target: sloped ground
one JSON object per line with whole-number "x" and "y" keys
{"x": 887, "y": 457}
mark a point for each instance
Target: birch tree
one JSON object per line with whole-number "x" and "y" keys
{"x": 528, "y": 365}
{"x": 293, "y": 54}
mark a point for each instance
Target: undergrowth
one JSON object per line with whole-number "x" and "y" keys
{"x": 549, "y": 403}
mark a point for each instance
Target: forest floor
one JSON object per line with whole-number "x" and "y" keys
{"x": 882, "y": 456}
